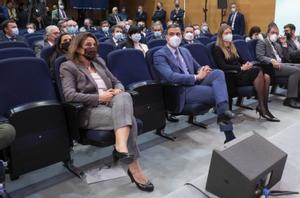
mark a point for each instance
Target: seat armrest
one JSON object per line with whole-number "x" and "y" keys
{"x": 73, "y": 118}
{"x": 3, "y": 119}
{"x": 136, "y": 85}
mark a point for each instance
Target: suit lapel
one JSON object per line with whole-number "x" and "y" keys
{"x": 88, "y": 75}
{"x": 172, "y": 58}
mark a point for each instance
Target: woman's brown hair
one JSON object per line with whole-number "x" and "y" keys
{"x": 229, "y": 52}
{"x": 76, "y": 43}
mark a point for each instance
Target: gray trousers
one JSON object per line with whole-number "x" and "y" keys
{"x": 118, "y": 114}
{"x": 292, "y": 71}
{"x": 7, "y": 135}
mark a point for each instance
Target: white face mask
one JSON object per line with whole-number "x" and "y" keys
{"x": 233, "y": 9}
{"x": 15, "y": 31}
{"x": 157, "y": 34}
{"x": 205, "y": 28}
{"x": 174, "y": 41}
{"x": 105, "y": 29}
{"x": 30, "y": 30}
{"x": 61, "y": 7}
{"x": 136, "y": 37}
{"x": 227, "y": 37}
{"x": 197, "y": 32}
{"x": 189, "y": 36}
{"x": 127, "y": 27}
{"x": 273, "y": 38}
{"x": 118, "y": 36}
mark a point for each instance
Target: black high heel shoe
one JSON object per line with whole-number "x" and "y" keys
{"x": 148, "y": 187}
{"x": 267, "y": 116}
{"x": 125, "y": 158}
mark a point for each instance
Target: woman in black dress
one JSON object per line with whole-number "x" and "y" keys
{"x": 227, "y": 58}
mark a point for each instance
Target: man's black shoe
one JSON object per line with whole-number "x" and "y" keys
{"x": 172, "y": 118}
{"x": 291, "y": 102}
{"x": 225, "y": 117}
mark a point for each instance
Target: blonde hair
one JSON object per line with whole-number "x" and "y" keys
{"x": 77, "y": 43}
{"x": 230, "y": 52}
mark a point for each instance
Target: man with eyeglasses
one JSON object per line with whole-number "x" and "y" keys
{"x": 270, "y": 51}
{"x": 202, "y": 85}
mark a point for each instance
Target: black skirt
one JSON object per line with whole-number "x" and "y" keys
{"x": 246, "y": 78}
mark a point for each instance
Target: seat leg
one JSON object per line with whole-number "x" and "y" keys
{"x": 171, "y": 118}
{"x": 73, "y": 169}
{"x": 192, "y": 120}
{"x": 161, "y": 133}
{"x": 239, "y": 103}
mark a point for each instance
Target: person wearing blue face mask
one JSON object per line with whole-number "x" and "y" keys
{"x": 117, "y": 37}
{"x": 72, "y": 27}
{"x": 134, "y": 38}
{"x": 157, "y": 32}
{"x": 11, "y": 32}
{"x": 104, "y": 29}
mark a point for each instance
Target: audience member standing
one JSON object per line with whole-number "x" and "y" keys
{"x": 160, "y": 15}
{"x": 22, "y": 13}
{"x": 177, "y": 15}
{"x": 141, "y": 15}
{"x": 236, "y": 20}
{"x": 123, "y": 14}
{"x": 12, "y": 13}
{"x": 114, "y": 17}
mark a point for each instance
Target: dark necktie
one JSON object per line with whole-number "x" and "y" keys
{"x": 181, "y": 63}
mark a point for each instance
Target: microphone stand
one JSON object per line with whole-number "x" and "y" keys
{"x": 205, "y": 10}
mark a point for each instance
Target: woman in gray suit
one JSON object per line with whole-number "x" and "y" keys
{"x": 86, "y": 79}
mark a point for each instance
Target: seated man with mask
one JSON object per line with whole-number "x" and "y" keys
{"x": 189, "y": 36}
{"x": 293, "y": 42}
{"x": 202, "y": 84}
{"x": 117, "y": 37}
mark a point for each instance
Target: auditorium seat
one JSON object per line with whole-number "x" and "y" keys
{"x": 13, "y": 52}
{"x": 7, "y": 44}
{"x": 156, "y": 42}
{"x": 204, "y": 40}
{"x": 237, "y": 37}
{"x": 32, "y": 40}
{"x": 29, "y": 102}
{"x": 174, "y": 101}
{"x": 240, "y": 92}
{"x": 130, "y": 67}
{"x": 104, "y": 49}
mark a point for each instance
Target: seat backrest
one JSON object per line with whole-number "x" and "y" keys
{"x": 128, "y": 65}
{"x": 57, "y": 65}
{"x": 149, "y": 58}
{"x": 27, "y": 36}
{"x": 210, "y": 46}
{"x": 32, "y": 40}
{"x": 204, "y": 40}
{"x": 213, "y": 38}
{"x": 97, "y": 35}
{"x": 156, "y": 42}
{"x": 13, "y": 52}
{"x": 237, "y": 37}
{"x": 200, "y": 53}
{"x": 7, "y": 44}
{"x": 243, "y": 50}
{"x": 24, "y": 80}
{"x": 102, "y": 39}
{"x": 104, "y": 49}
{"x": 46, "y": 52}
{"x": 252, "y": 48}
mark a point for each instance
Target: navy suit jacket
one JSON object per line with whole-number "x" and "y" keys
{"x": 16, "y": 38}
{"x": 169, "y": 71}
{"x": 177, "y": 17}
{"x": 141, "y": 17}
{"x": 160, "y": 15}
{"x": 111, "y": 41}
{"x": 239, "y": 24}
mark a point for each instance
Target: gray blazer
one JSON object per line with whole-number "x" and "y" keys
{"x": 79, "y": 86}
{"x": 264, "y": 51}
{"x": 293, "y": 50}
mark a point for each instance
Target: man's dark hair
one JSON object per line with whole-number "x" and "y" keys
{"x": 253, "y": 30}
{"x": 189, "y": 26}
{"x": 271, "y": 25}
{"x": 104, "y": 22}
{"x": 115, "y": 27}
{"x": 5, "y": 23}
{"x": 291, "y": 26}
{"x": 173, "y": 25}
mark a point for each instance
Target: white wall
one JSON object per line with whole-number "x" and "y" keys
{"x": 287, "y": 11}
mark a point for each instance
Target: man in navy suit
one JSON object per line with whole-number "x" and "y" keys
{"x": 177, "y": 15}
{"x": 117, "y": 37}
{"x": 202, "y": 84}
{"x": 11, "y": 32}
{"x": 160, "y": 15}
{"x": 141, "y": 15}
{"x": 236, "y": 20}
